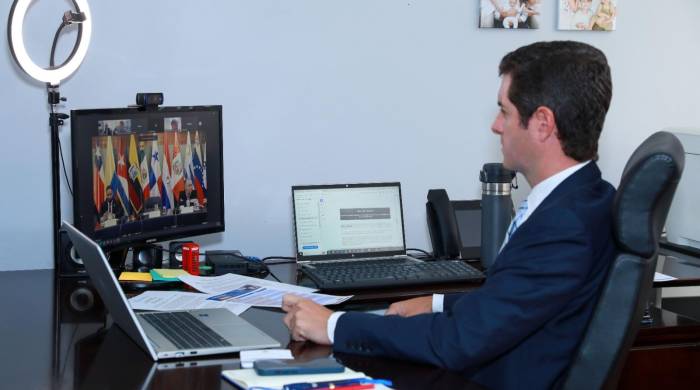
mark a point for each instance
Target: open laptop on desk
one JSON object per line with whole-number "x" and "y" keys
{"x": 351, "y": 236}
{"x": 167, "y": 334}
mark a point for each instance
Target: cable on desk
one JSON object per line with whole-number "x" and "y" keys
{"x": 290, "y": 260}
{"x": 428, "y": 254}
{"x": 285, "y": 260}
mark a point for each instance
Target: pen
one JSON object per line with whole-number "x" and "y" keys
{"x": 346, "y": 384}
{"x": 357, "y": 386}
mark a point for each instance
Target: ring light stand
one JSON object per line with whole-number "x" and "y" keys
{"x": 52, "y": 76}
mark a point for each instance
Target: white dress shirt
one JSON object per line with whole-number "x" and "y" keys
{"x": 534, "y": 199}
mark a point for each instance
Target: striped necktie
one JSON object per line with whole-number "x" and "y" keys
{"x": 515, "y": 224}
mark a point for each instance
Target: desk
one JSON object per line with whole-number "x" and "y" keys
{"x": 679, "y": 265}
{"x": 75, "y": 351}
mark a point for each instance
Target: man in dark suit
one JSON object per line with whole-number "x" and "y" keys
{"x": 521, "y": 328}
{"x": 111, "y": 208}
{"x": 188, "y": 196}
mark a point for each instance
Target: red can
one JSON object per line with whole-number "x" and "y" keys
{"x": 190, "y": 258}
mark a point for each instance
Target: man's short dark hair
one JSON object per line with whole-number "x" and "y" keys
{"x": 570, "y": 78}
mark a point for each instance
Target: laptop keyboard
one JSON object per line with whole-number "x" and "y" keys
{"x": 388, "y": 273}
{"x": 184, "y": 330}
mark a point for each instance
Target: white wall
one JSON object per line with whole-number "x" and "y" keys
{"x": 323, "y": 91}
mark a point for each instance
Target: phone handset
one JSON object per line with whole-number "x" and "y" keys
{"x": 442, "y": 225}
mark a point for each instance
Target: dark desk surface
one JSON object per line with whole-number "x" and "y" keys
{"x": 44, "y": 348}
{"x": 684, "y": 267}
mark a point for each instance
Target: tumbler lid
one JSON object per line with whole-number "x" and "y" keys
{"x": 496, "y": 173}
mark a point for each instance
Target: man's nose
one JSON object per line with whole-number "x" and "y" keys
{"x": 496, "y": 127}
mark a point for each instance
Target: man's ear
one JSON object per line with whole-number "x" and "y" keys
{"x": 544, "y": 124}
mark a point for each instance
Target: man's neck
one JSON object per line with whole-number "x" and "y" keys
{"x": 546, "y": 170}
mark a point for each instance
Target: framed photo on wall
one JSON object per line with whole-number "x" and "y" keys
{"x": 510, "y": 14}
{"x": 587, "y": 15}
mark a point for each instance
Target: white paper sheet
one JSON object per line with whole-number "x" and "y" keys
{"x": 178, "y": 300}
{"x": 659, "y": 277}
{"x": 224, "y": 283}
{"x": 256, "y": 295}
{"x": 250, "y": 356}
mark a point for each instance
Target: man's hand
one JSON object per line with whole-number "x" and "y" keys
{"x": 411, "y": 307}
{"x": 306, "y": 320}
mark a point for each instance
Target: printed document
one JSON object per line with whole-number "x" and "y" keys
{"x": 659, "y": 277}
{"x": 177, "y": 300}
{"x": 228, "y": 282}
{"x": 256, "y": 295}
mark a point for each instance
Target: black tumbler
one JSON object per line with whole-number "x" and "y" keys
{"x": 496, "y": 209}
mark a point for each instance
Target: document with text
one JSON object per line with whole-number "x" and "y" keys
{"x": 228, "y": 282}
{"x": 178, "y": 300}
{"x": 264, "y": 296}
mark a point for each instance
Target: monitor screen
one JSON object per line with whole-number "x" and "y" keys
{"x": 352, "y": 219}
{"x": 142, "y": 176}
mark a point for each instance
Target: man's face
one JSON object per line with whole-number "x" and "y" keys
{"x": 515, "y": 141}
{"x": 173, "y": 126}
{"x": 189, "y": 187}
{"x": 109, "y": 194}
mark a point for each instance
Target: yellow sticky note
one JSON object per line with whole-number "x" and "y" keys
{"x": 138, "y": 276}
{"x": 170, "y": 273}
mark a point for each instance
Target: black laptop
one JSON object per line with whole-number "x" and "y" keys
{"x": 351, "y": 236}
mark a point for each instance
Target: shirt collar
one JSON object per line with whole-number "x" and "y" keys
{"x": 546, "y": 186}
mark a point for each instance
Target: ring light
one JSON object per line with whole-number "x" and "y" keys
{"x": 53, "y": 76}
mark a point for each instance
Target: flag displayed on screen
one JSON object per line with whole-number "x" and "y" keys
{"x": 198, "y": 171}
{"x": 177, "y": 174}
{"x": 144, "y": 156}
{"x": 98, "y": 178}
{"x": 135, "y": 187}
{"x": 166, "y": 188}
{"x": 111, "y": 176}
{"x": 123, "y": 176}
{"x": 154, "y": 178}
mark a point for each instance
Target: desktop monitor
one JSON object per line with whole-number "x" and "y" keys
{"x": 141, "y": 176}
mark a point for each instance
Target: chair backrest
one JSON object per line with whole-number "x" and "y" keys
{"x": 151, "y": 203}
{"x": 641, "y": 205}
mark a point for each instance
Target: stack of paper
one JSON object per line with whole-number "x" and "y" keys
{"x": 135, "y": 277}
{"x": 168, "y": 275}
{"x": 178, "y": 300}
{"x": 234, "y": 292}
{"x": 247, "y": 378}
{"x": 256, "y": 292}
{"x": 659, "y": 277}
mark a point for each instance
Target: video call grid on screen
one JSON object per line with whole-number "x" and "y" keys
{"x": 155, "y": 170}
{"x": 348, "y": 220}
{"x": 165, "y": 173}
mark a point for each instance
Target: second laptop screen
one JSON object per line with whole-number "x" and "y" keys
{"x": 348, "y": 220}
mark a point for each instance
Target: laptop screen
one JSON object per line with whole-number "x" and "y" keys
{"x": 348, "y": 220}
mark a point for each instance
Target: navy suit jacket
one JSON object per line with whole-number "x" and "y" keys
{"x": 522, "y": 327}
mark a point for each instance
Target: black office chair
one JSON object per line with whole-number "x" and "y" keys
{"x": 152, "y": 203}
{"x": 640, "y": 208}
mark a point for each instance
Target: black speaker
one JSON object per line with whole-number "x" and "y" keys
{"x": 175, "y": 253}
{"x": 147, "y": 257}
{"x": 71, "y": 264}
{"x": 69, "y": 261}
{"x": 78, "y": 301}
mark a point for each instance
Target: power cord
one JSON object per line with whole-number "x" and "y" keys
{"x": 426, "y": 253}
{"x": 286, "y": 260}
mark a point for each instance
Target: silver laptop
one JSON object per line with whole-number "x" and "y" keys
{"x": 164, "y": 335}
{"x": 346, "y": 222}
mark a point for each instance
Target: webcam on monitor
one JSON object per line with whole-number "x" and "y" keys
{"x": 149, "y": 100}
